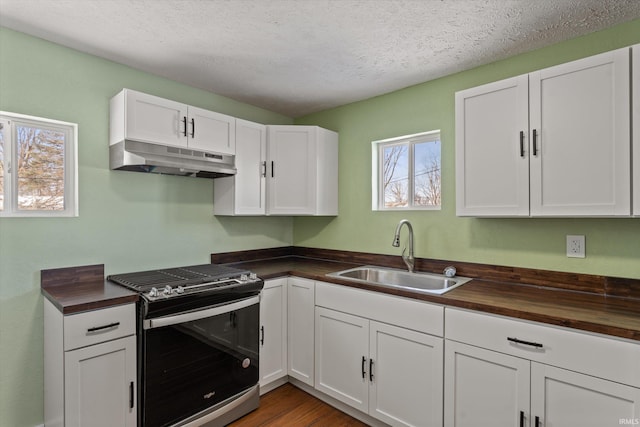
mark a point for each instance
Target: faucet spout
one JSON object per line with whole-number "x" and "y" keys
{"x": 409, "y": 260}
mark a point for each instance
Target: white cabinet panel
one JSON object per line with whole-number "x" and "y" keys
{"x": 342, "y": 349}
{"x": 244, "y": 192}
{"x": 302, "y": 176}
{"x": 211, "y": 131}
{"x": 99, "y": 385}
{"x": 147, "y": 118}
{"x": 405, "y": 374}
{"x": 292, "y": 180}
{"x": 580, "y": 159}
{"x": 492, "y": 165}
{"x": 569, "y": 399}
{"x": 273, "y": 331}
{"x": 301, "y": 319}
{"x": 484, "y": 388}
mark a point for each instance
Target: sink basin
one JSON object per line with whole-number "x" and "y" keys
{"x": 393, "y": 278}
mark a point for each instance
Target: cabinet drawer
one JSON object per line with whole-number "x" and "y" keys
{"x": 596, "y": 355}
{"x": 404, "y": 312}
{"x": 97, "y": 326}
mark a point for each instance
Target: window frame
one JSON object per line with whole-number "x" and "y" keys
{"x": 377, "y": 191}
{"x": 10, "y": 208}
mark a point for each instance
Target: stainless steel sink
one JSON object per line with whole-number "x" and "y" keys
{"x": 389, "y": 277}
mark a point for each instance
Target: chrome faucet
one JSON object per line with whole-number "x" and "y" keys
{"x": 408, "y": 260}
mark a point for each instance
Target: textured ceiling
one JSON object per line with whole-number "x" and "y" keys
{"x": 300, "y": 56}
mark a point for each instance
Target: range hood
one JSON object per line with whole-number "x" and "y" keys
{"x": 145, "y": 157}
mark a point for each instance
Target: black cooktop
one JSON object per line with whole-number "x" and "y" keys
{"x": 143, "y": 281}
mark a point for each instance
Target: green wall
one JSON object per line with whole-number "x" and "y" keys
{"x": 128, "y": 221}
{"x": 613, "y": 245}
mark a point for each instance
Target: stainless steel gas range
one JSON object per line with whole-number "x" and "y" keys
{"x": 198, "y": 333}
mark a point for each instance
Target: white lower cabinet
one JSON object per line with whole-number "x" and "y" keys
{"x": 300, "y": 338}
{"x": 485, "y": 386}
{"x": 90, "y": 367}
{"x": 273, "y": 331}
{"x": 560, "y": 397}
{"x": 99, "y": 384}
{"x": 390, "y": 372}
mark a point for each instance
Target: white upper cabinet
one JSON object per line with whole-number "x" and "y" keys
{"x": 636, "y": 128}
{"x": 293, "y": 170}
{"x": 244, "y": 193}
{"x": 211, "y": 131}
{"x": 579, "y": 116}
{"x": 492, "y": 165}
{"x": 302, "y": 176}
{"x": 555, "y": 142}
{"x": 141, "y": 117}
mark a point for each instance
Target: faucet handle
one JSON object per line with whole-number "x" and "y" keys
{"x": 450, "y": 271}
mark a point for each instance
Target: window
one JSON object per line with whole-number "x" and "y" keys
{"x": 38, "y": 165}
{"x": 406, "y": 172}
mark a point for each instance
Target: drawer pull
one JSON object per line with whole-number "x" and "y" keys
{"x": 530, "y": 343}
{"x": 99, "y": 328}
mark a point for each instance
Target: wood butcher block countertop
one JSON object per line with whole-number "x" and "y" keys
{"x": 77, "y": 289}
{"x": 588, "y": 311}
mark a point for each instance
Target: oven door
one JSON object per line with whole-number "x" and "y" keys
{"x": 194, "y": 361}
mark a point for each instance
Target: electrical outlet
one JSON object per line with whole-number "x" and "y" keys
{"x": 576, "y": 247}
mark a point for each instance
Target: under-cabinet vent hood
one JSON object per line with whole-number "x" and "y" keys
{"x": 144, "y": 157}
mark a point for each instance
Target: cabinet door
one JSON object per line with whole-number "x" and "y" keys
{"x": 635, "y": 54}
{"x": 273, "y": 331}
{"x": 155, "y": 120}
{"x": 291, "y": 160}
{"x": 210, "y": 131}
{"x": 580, "y": 156}
{"x": 405, "y": 374}
{"x": 301, "y": 302}
{"x": 568, "y": 399}
{"x": 342, "y": 349}
{"x": 492, "y": 160}
{"x": 100, "y": 384}
{"x": 244, "y": 193}
{"x": 485, "y": 388}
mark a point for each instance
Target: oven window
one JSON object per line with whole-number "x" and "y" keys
{"x": 192, "y": 366}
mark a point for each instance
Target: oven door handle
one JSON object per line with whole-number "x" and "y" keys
{"x": 200, "y": 314}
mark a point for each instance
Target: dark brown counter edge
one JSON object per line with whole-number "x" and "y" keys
{"x": 82, "y": 288}
{"x": 619, "y": 295}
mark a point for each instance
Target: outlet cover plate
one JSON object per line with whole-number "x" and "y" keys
{"x": 576, "y": 247}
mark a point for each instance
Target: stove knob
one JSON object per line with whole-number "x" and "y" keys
{"x": 179, "y": 290}
{"x": 167, "y": 290}
{"x": 243, "y": 278}
{"x": 153, "y": 292}
{"x": 253, "y": 276}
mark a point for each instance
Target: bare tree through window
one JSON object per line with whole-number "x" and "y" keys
{"x": 411, "y": 172}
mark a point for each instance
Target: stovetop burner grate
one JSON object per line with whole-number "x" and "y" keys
{"x": 182, "y": 276}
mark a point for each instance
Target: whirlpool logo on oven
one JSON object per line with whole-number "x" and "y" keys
{"x": 209, "y": 395}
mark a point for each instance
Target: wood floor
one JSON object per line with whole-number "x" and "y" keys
{"x": 290, "y": 406}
